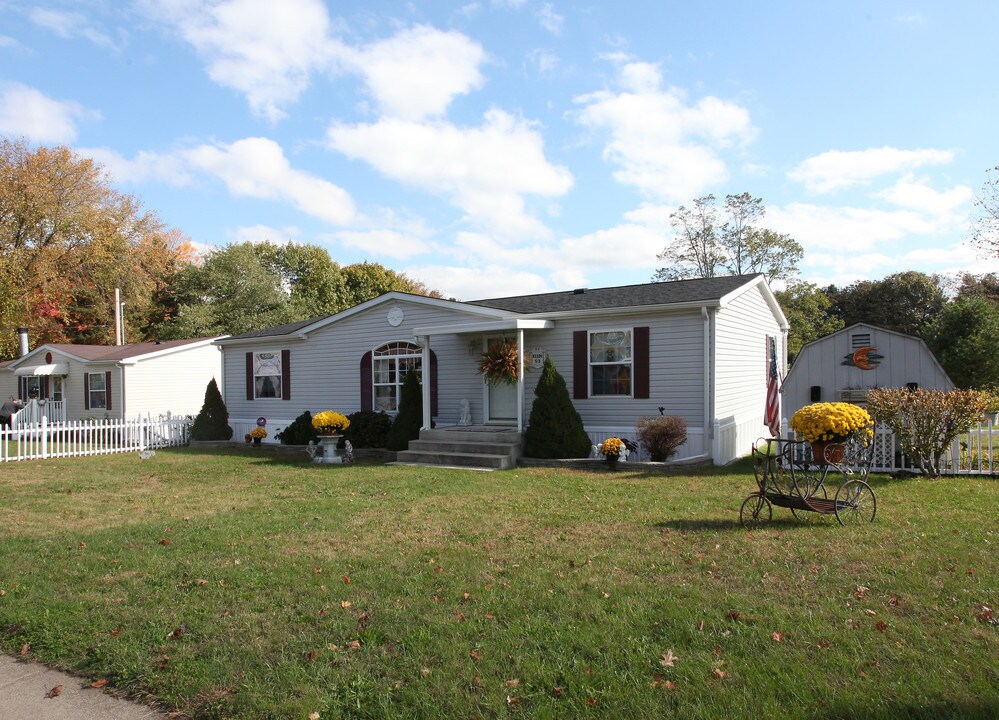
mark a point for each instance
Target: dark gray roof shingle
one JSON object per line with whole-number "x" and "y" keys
{"x": 658, "y": 293}
{"x": 286, "y": 329}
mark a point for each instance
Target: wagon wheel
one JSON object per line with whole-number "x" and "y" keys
{"x": 810, "y": 486}
{"x": 855, "y": 503}
{"x": 755, "y": 510}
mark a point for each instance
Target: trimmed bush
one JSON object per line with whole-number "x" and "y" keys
{"x": 299, "y": 432}
{"x": 408, "y": 422}
{"x": 555, "y": 429}
{"x": 662, "y": 436}
{"x": 368, "y": 429}
{"x": 212, "y": 423}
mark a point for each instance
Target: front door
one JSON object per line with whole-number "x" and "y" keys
{"x": 501, "y": 398}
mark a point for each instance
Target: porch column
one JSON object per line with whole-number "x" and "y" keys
{"x": 520, "y": 380}
{"x": 425, "y": 384}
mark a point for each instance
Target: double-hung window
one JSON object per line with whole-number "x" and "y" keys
{"x": 610, "y": 358}
{"x": 267, "y": 374}
{"x": 390, "y": 363}
{"x": 97, "y": 389}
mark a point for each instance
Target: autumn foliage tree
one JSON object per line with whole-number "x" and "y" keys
{"x": 926, "y": 422}
{"x": 67, "y": 240}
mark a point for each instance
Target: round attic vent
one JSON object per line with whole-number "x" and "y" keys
{"x": 48, "y": 358}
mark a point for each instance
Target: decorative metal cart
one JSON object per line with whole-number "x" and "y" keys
{"x": 790, "y": 474}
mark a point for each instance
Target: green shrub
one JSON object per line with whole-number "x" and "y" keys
{"x": 299, "y": 432}
{"x": 212, "y": 423}
{"x": 555, "y": 429}
{"x": 408, "y": 422}
{"x": 662, "y": 436}
{"x": 368, "y": 429}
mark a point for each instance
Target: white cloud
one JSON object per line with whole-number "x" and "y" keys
{"x": 69, "y": 25}
{"x": 264, "y": 49}
{"x": 549, "y": 19}
{"x": 850, "y": 229}
{"x": 949, "y": 206}
{"x": 664, "y": 145}
{"x": 389, "y": 243}
{"x": 257, "y": 167}
{"x": 418, "y": 72}
{"x": 28, "y": 112}
{"x": 486, "y": 170}
{"x": 545, "y": 61}
{"x": 838, "y": 169}
{"x": 167, "y": 168}
{"x": 265, "y": 233}
{"x": 476, "y": 283}
{"x": 8, "y": 42}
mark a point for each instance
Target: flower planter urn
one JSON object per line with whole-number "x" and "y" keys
{"x": 256, "y": 441}
{"x": 329, "y": 457}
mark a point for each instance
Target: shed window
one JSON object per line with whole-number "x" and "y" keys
{"x": 610, "y": 362}
{"x": 390, "y": 363}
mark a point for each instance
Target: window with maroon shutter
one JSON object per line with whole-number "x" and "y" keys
{"x": 580, "y": 366}
{"x": 366, "y": 391}
{"x": 286, "y": 374}
{"x": 640, "y": 363}
{"x": 382, "y": 373}
{"x": 107, "y": 390}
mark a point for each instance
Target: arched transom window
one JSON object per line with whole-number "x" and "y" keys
{"x": 390, "y": 363}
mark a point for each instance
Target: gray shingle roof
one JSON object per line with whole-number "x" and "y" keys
{"x": 659, "y": 293}
{"x": 114, "y": 353}
{"x": 286, "y": 329}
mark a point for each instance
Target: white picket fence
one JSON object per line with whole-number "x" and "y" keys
{"x": 42, "y": 440}
{"x": 973, "y": 453}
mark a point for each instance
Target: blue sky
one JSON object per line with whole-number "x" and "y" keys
{"x": 514, "y": 146}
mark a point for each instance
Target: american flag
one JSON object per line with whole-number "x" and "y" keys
{"x": 772, "y": 415}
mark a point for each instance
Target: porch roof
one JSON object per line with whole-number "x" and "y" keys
{"x": 485, "y": 327}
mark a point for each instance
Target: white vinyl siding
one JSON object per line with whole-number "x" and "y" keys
{"x": 174, "y": 382}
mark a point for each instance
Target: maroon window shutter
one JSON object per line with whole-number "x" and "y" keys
{"x": 366, "y": 388}
{"x": 107, "y": 391}
{"x": 433, "y": 384}
{"x": 45, "y": 386}
{"x": 249, "y": 376}
{"x": 580, "y": 365}
{"x": 286, "y": 374}
{"x": 86, "y": 391}
{"x": 640, "y": 363}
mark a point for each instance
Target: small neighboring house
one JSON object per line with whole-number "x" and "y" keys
{"x": 75, "y": 382}
{"x": 697, "y": 348}
{"x": 844, "y": 365}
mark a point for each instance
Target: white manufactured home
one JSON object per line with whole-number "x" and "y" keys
{"x": 696, "y": 348}
{"x": 76, "y": 382}
{"x": 844, "y": 365}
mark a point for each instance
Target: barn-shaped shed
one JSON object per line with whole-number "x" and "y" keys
{"x": 843, "y": 366}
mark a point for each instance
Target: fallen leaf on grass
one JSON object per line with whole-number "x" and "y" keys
{"x": 460, "y": 616}
{"x": 591, "y": 701}
{"x": 512, "y": 700}
{"x": 490, "y": 616}
{"x": 116, "y": 632}
{"x": 346, "y": 580}
{"x": 165, "y": 541}
{"x": 354, "y": 645}
{"x": 660, "y": 682}
{"x": 881, "y": 625}
{"x": 823, "y": 644}
{"x": 25, "y": 649}
{"x": 778, "y": 637}
{"x": 317, "y": 571}
{"x": 98, "y": 684}
{"x": 512, "y": 683}
{"x": 425, "y": 671}
{"x": 313, "y": 716}
{"x": 734, "y": 614}
{"x": 164, "y": 661}
{"x": 362, "y": 620}
{"x": 718, "y": 673}
{"x": 669, "y": 659}
{"x": 312, "y": 655}
{"x": 475, "y": 654}
{"x": 986, "y": 615}
{"x": 54, "y": 692}
{"x": 557, "y": 691}
{"x": 201, "y": 581}
{"x": 346, "y": 603}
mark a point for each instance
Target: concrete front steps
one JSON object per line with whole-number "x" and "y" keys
{"x": 481, "y": 446}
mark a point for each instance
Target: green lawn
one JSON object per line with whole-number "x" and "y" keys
{"x": 241, "y": 584}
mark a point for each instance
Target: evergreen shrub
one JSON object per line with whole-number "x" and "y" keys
{"x": 408, "y": 422}
{"x": 555, "y": 429}
{"x": 212, "y": 423}
{"x": 299, "y": 431}
{"x": 368, "y": 429}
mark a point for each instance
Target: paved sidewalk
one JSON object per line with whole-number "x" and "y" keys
{"x": 24, "y": 686}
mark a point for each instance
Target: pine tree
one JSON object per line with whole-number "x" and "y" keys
{"x": 408, "y": 422}
{"x": 555, "y": 429}
{"x": 212, "y": 423}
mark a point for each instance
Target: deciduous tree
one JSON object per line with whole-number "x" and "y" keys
{"x": 704, "y": 248}
{"x": 905, "y": 302}
{"x": 809, "y": 312}
{"x": 964, "y": 338}
{"x": 985, "y": 228}
{"x": 926, "y": 422}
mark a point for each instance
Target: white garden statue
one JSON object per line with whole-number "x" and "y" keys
{"x": 465, "y": 413}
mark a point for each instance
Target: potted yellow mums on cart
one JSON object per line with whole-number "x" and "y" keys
{"x": 827, "y": 425}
